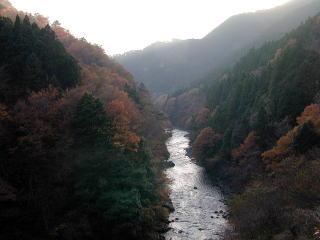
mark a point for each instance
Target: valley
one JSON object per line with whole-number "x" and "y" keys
{"x": 133, "y": 146}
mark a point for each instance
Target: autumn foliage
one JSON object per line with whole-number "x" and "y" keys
{"x": 206, "y": 144}
{"x": 311, "y": 113}
{"x": 3, "y": 112}
{"x": 267, "y": 109}
{"x": 7, "y": 10}
{"x": 285, "y": 145}
{"x": 248, "y": 143}
{"x": 75, "y": 153}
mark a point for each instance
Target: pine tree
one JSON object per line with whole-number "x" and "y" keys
{"x": 26, "y": 20}
{"x": 91, "y": 126}
{"x": 262, "y": 122}
{"x": 17, "y": 23}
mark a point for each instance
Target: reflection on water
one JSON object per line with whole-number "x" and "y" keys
{"x": 197, "y": 202}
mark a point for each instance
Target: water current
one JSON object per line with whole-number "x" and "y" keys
{"x": 199, "y": 204}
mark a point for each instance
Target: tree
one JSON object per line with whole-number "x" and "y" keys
{"x": 31, "y": 58}
{"x": 206, "y": 144}
{"x": 91, "y": 126}
{"x": 310, "y": 113}
{"x": 248, "y": 143}
{"x": 262, "y": 122}
{"x": 17, "y": 23}
{"x": 26, "y": 20}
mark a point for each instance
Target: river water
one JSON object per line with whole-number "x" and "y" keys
{"x": 196, "y": 200}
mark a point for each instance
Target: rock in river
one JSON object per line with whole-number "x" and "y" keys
{"x": 168, "y": 204}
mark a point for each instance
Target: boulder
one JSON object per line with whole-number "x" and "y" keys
{"x": 169, "y": 164}
{"x": 168, "y": 204}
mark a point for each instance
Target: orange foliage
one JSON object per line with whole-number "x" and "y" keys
{"x": 206, "y": 143}
{"x": 117, "y": 110}
{"x": 40, "y": 20}
{"x": 284, "y": 144}
{"x": 63, "y": 35}
{"x": 124, "y": 138}
{"x": 108, "y": 81}
{"x": 87, "y": 53}
{"x": 3, "y": 112}
{"x": 246, "y": 146}
{"x": 283, "y": 147}
{"x": 127, "y": 140}
{"x": 9, "y": 11}
{"x": 82, "y": 50}
{"x": 6, "y": 4}
{"x": 311, "y": 113}
{"x": 202, "y": 117}
{"x": 101, "y": 76}
{"x": 43, "y": 116}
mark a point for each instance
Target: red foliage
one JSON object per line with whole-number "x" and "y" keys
{"x": 9, "y": 11}
{"x": 117, "y": 110}
{"x": 246, "y": 146}
{"x": 43, "y": 117}
{"x": 283, "y": 147}
{"x": 206, "y": 143}
{"x": 202, "y": 117}
{"x": 40, "y": 20}
{"x": 124, "y": 138}
{"x": 311, "y": 113}
{"x": 101, "y": 76}
{"x": 63, "y": 35}
{"x": 284, "y": 144}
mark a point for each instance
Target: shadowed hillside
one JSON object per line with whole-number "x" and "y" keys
{"x": 81, "y": 146}
{"x": 166, "y": 67}
{"x": 259, "y": 132}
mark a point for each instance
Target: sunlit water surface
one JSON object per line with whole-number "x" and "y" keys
{"x": 194, "y": 196}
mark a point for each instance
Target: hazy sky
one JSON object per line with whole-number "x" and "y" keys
{"x": 123, "y": 25}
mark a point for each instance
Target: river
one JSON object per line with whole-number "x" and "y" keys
{"x": 198, "y": 203}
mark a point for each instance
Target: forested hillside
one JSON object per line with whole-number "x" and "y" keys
{"x": 81, "y": 145}
{"x": 260, "y": 135}
{"x": 166, "y": 67}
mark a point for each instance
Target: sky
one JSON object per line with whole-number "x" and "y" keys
{"x": 123, "y": 25}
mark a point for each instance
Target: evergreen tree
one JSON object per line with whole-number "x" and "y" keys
{"x": 262, "y": 122}
{"x": 91, "y": 126}
{"x": 26, "y": 21}
{"x": 31, "y": 58}
{"x": 17, "y": 23}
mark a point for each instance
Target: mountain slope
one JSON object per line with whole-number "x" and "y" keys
{"x": 81, "y": 145}
{"x": 166, "y": 67}
{"x": 262, "y": 136}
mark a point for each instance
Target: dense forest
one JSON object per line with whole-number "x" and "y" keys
{"x": 81, "y": 145}
{"x": 258, "y": 132}
{"x": 167, "y": 67}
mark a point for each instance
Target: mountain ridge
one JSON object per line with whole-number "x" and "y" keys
{"x": 176, "y": 64}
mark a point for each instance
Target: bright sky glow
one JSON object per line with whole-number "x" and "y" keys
{"x": 124, "y": 25}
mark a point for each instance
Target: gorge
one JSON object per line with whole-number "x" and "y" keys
{"x": 88, "y": 153}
